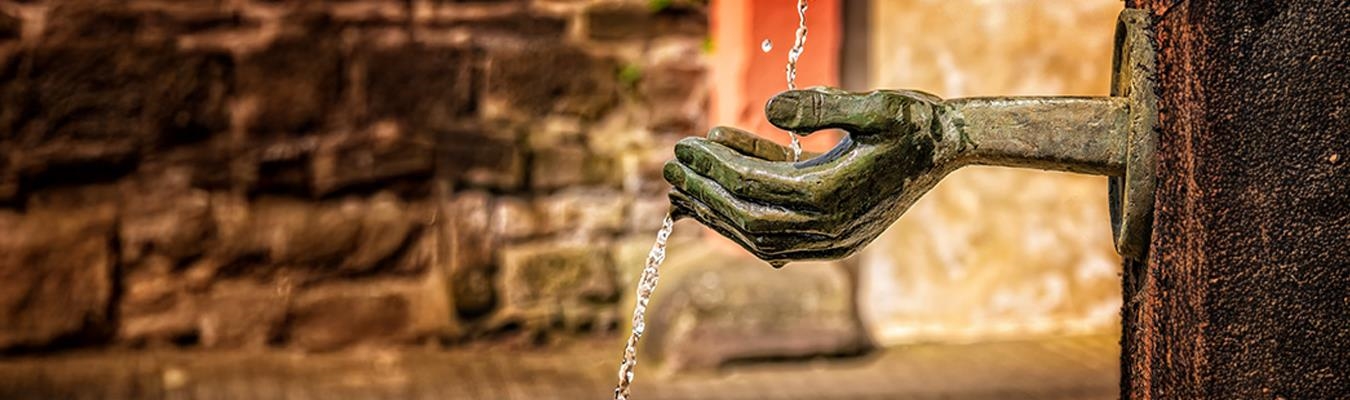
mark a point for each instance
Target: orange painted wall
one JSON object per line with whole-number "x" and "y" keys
{"x": 745, "y": 77}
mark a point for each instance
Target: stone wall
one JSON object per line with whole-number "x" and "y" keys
{"x": 326, "y": 174}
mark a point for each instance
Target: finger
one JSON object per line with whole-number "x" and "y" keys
{"x": 810, "y": 110}
{"x": 745, "y": 216}
{"x": 752, "y": 145}
{"x": 706, "y": 216}
{"x": 751, "y": 178}
{"x": 763, "y": 246}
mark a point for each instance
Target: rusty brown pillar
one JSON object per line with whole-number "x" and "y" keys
{"x": 1246, "y": 294}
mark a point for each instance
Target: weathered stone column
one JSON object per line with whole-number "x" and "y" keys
{"x": 1246, "y": 294}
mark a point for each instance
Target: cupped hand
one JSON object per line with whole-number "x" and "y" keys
{"x": 899, "y": 144}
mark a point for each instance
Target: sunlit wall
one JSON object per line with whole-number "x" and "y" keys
{"x": 994, "y": 252}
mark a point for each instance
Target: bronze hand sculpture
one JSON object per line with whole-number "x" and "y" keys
{"x": 899, "y": 145}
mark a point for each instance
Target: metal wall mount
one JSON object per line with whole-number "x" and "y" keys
{"x": 1135, "y": 78}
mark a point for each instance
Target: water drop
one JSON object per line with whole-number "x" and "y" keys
{"x": 766, "y": 45}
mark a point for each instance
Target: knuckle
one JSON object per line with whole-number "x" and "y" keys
{"x": 718, "y": 132}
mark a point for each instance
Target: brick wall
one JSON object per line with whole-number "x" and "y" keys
{"x": 323, "y": 174}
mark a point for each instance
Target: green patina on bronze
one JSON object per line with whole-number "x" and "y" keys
{"x": 899, "y": 144}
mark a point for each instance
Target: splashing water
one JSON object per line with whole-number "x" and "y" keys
{"x": 766, "y": 46}
{"x": 646, "y": 285}
{"x": 793, "y": 55}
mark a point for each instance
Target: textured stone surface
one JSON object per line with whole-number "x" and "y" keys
{"x": 10, "y": 26}
{"x": 542, "y": 79}
{"x": 426, "y": 87}
{"x": 481, "y": 156}
{"x": 295, "y": 82}
{"x": 565, "y": 166}
{"x": 581, "y": 212}
{"x": 349, "y": 237}
{"x": 97, "y": 106}
{"x": 241, "y": 314}
{"x": 371, "y": 161}
{"x": 674, "y": 104}
{"x": 470, "y": 263}
{"x": 725, "y": 306}
{"x": 154, "y": 307}
{"x": 320, "y": 175}
{"x": 994, "y": 252}
{"x": 557, "y": 283}
{"x": 56, "y": 268}
{"x": 1244, "y": 295}
{"x": 175, "y": 225}
{"x": 637, "y": 20}
{"x": 328, "y": 322}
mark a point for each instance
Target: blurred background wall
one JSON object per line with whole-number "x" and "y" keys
{"x": 327, "y": 174}
{"x": 994, "y": 253}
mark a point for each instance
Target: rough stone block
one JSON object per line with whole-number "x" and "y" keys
{"x": 369, "y": 312}
{"x": 547, "y": 279}
{"x": 425, "y": 86}
{"x": 581, "y": 211}
{"x": 9, "y": 187}
{"x": 469, "y": 243}
{"x": 515, "y": 218}
{"x": 613, "y": 21}
{"x": 538, "y": 79}
{"x": 300, "y": 234}
{"x": 175, "y": 225}
{"x": 368, "y": 11}
{"x": 477, "y": 158}
{"x": 153, "y": 91}
{"x": 10, "y": 26}
{"x": 717, "y": 307}
{"x": 109, "y": 20}
{"x": 90, "y": 110}
{"x": 555, "y": 131}
{"x": 283, "y": 165}
{"x": 152, "y": 307}
{"x": 568, "y": 166}
{"x": 325, "y": 241}
{"x": 241, "y": 314}
{"x": 675, "y": 95}
{"x": 55, "y": 275}
{"x": 358, "y": 163}
{"x": 387, "y": 226}
{"x": 514, "y": 25}
{"x": 327, "y": 320}
{"x": 296, "y": 82}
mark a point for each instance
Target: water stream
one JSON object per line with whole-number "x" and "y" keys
{"x": 793, "y": 55}
{"x": 651, "y": 271}
{"x": 646, "y": 285}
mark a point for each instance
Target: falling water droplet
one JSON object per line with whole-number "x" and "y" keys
{"x": 767, "y": 45}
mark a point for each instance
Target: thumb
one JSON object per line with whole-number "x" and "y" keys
{"x": 810, "y": 110}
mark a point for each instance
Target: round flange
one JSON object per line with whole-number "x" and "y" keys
{"x": 1135, "y": 78}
